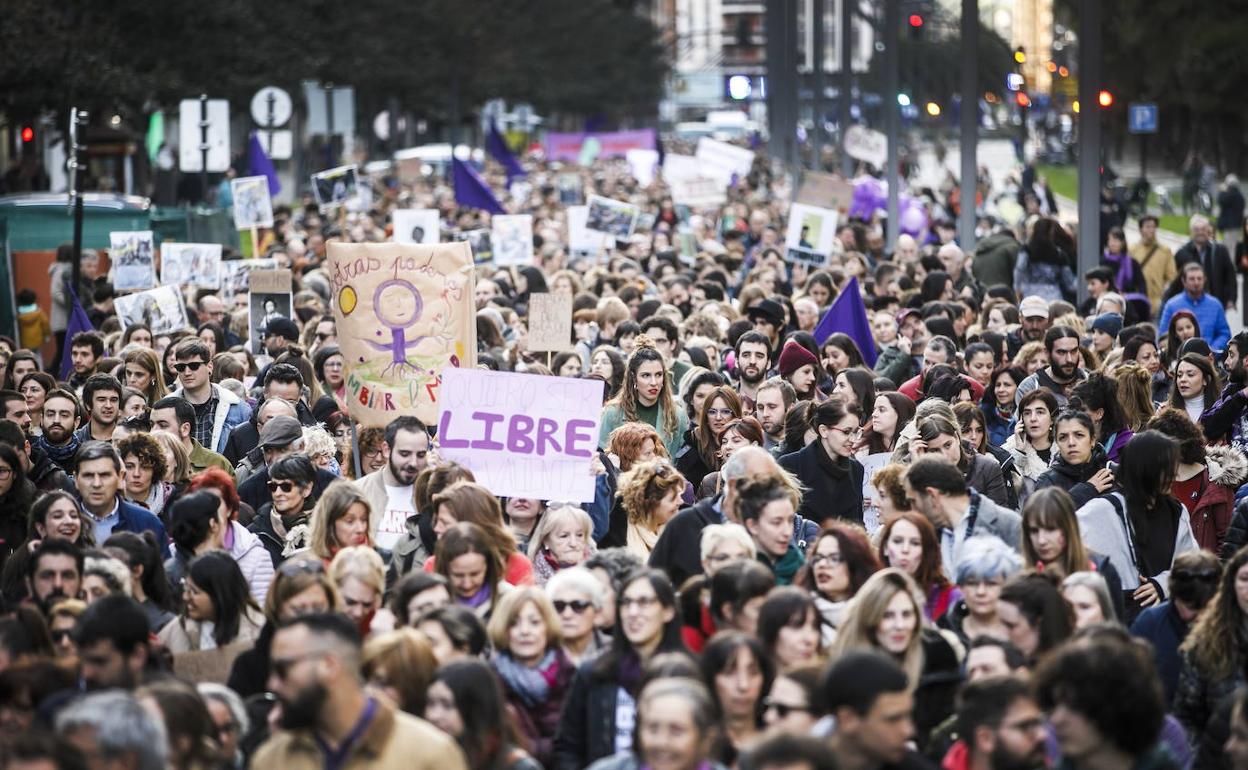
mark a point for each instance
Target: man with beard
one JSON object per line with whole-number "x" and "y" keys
{"x": 1001, "y": 726}
{"x": 326, "y": 716}
{"x": 1228, "y": 418}
{"x": 389, "y": 489}
{"x": 771, "y": 404}
{"x": 98, "y": 481}
{"x": 1033, "y": 313}
{"x": 59, "y": 421}
{"x": 42, "y": 472}
{"x": 54, "y": 572}
{"x": 114, "y": 643}
{"x": 1063, "y": 371}
{"x": 753, "y": 356}
{"x": 101, "y": 395}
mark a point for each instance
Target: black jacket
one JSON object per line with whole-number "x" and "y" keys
{"x": 586, "y": 731}
{"x": 938, "y": 684}
{"x": 678, "y": 550}
{"x": 1074, "y": 478}
{"x": 262, "y": 527}
{"x": 1220, "y": 278}
{"x": 826, "y": 496}
{"x": 251, "y": 668}
{"x": 1237, "y": 533}
{"x": 46, "y": 475}
{"x": 255, "y": 490}
{"x": 246, "y": 437}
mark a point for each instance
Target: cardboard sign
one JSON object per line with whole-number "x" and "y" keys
{"x": 252, "y": 205}
{"x": 811, "y": 230}
{"x": 690, "y": 185}
{"x": 723, "y": 160}
{"x": 406, "y": 316}
{"x": 611, "y": 217}
{"x": 161, "y": 309}
{"x": 522, "y": 435}
{"x": 870, "y": 495}
{"x": 550, "y": 322}
{"x": 422, "y": 226}
{"x": 336, "y": 186}
{"x": 512, "y": 239}
{"x": 191, "y": 264}
{"x": 268, "y": 298}
{"x": 827, "y": 191}
{"x": 867, "y": 145}
{"x": 134, "y": 260}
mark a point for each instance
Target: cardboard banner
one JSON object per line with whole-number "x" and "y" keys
{"x": 406, "y": 316}
{"x": 268, "y": 298}
{"x": 550, "y": 322}
{"x": 512, "y": 239}
{"x": 252, "y": 205}
{"x": 161, "y": 309}
{"x": 133, "y": 255}
{"x": 522, "y": 435}
{"x": 610, "y": 144}
{"x": 865, "y": 144}
{"x": 828, "y": 191}
{"x": 191, "y": 264}
{"x": 870, "y": 495}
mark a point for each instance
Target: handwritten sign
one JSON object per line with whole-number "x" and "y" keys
{"x": 522, "y": 435}
{"x": 550, "y": 322}
{"x": 406, "y": 316}
{"x": 867, "y": 145}
{"x": 871, "y": 495}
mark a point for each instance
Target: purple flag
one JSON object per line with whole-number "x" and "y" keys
{"x": 849, "y": 315}
{"x": 258, "y": 164}
{"x": 499, "y": 151}
{"x": 471, "y": 190}
{"x": 78, "y": 322}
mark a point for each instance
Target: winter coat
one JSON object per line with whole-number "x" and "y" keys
{"x": 1202, "y": 702}
{"x": 254, "y": 561}
{"x": 995, "y": 258}
{"x": 895, "y": 365}
{"x": 1220, "y": 282}
{"x": 985, "y": 476}
{"x": 1165, "y": 630}
{"x": 1049, "y": 281}
{"x": 1074, "y": 478}
{"x": 1228, "y": 418}
{"x": 828, "y": 496}
{"x": 1237, "y": 533}
{"x": 1000, "y": 427}
{"x": 586, "y": 730}
{"x": 678, "y": 550}
{"x": 1104, "y": 532}
{"x": 938, "y": 684}
{"x": 231, "y": 412}
{"x": 33, "y": 329}
{"x": 185, "y": 639}
{"x": 1027, "y": 463}
{"x": 1211, "y": 515}
{"x": 538, "y": 723}
{"x": 1009, "y": 474}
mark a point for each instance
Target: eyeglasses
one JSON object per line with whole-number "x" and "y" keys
{"x": 191, "y": 365}
{"x": 854, "y": 433}
{"x": 783, "y": 709}
{"x": 5, "y": 471}
{"x": 834, "y": 559}
{"x": 229, "y": 728}
{"x": 374, "y": 452}
{"x": 282, "y": 666}
{"x": 285, "y": 486}
{"x": 294, "y": 567}
{"x": 576, "y": 605}
{"x": 719, "y": 413}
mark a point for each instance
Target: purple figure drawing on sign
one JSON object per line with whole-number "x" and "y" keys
{"x": 398, "y": 305}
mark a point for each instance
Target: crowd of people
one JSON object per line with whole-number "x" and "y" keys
{"x": 1001, "y": 532}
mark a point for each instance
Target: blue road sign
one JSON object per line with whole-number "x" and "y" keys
{"x": 1142, "y": 118}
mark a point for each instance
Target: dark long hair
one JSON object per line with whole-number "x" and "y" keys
{"x": 856, "y": 554}
{"x": 1037, "y": 598}
{"x": 1212, "y": 385}
{"x": 723, "y": 647}
{"x": 862, "y": 382}
{"x": 488, "y": 731}
{"x": 218, "y": 575}
{"x": 621, "y": 662}
{"x": 1146, "y": 472}
{"x": 1100, "y": 391}
{"x": 21, "y": 495}
{"x": 142, "y": 551}
{"x": 904, "y": 408}
{"x": 1051, "y": 244}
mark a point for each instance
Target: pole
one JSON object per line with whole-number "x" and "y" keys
{"x": 1089, "y": 241}
{"x": 203, "y": 145}
{"x": 77, "y": 118}
{"x": 846, "y": 28}
{"x": 792, "y": 97}
{"x": 892, "y": 20}
{"x": 1144, "y": 157}
{"x": 969, "y": 135}
{"x": 329, "y": 124}
{"x": 271, "y": 124}
{"x": 819, "y": 135}
{"x": 776, "y": 110}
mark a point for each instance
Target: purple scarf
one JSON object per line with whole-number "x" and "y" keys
{"x": 477, "y": 599}
{"x": 1124, "y": 267}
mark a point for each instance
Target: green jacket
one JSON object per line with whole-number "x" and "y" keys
{"x": 895, "y": 365}
{"x": 203, "y": 458}
{"x": 613, "y": 417}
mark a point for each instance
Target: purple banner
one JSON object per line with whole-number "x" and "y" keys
{"x": 612, "y": 144}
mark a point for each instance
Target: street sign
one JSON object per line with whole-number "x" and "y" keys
{"x": 1142, "y": 118}
{"x": 200, "y": 129}
{"x": 271, "y": 107}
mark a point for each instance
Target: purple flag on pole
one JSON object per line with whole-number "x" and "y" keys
{"x": 849, "y": 315}
{"x": 258, "y": 164}
{"x": 78, "y": 322}
{"x": 471, "y": 190}
{"x": 499, "y": 151}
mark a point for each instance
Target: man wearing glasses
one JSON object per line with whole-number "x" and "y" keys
{"x": 217, "y": 410}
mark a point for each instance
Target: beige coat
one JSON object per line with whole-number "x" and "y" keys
{"x": 182, "y": 638}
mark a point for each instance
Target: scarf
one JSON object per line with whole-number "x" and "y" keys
{"x": 786, "y": 567}
{"x": 836, "y": 467}
{"x": 61, "y": 455}
{"x": 641, "y": 539}
{"x": 477, "y": 599}
{"x": 1124, "y": 270}
{"x": 531, "y": 684}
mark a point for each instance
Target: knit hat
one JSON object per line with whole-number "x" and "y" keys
{"x": 794, "y": 357}
{"x": 1109, "y": 323}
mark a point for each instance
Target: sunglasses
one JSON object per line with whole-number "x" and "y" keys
{"x": 577, "y": 605}
{"x": 285, "y": 486}
{"x": 783, "y": 709}
{"x": 61, "y": 635}
{"x": 192, "y": 365}
{"x": 293, "y": 567}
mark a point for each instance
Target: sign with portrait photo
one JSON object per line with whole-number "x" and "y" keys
{"x": 268, "y": 298}
{"x": 191, "y": 264}
{"x": 133, "y": 254}
{"x": 422, "y": 226}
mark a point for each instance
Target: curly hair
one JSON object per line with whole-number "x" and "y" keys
{"x": 1176, "y": 424}
{"x": 930, "y": 573}
{"x": 149, "y": 453}
{"x": 642, "y": 487}
{"x": 890, "y": 481}
{"x": 1218, "y": 635}
{"x": 625, "y": 442}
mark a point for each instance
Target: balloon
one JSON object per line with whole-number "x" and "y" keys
{"x": 912, "y": 219}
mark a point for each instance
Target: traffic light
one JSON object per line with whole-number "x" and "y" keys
{"x": 1105, "y": 98}
{"x": 933, "y": 109}
{"x": 1023, "y": 99}
{"x": 28, "y": 134}
{"x": 916, "y": 20}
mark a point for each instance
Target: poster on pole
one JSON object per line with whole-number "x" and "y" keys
{"x": 870, "y": 495}
{"x": 335, "y": 187}
{"x": 162, "y": 309}
{"x": 522, "y": 435}
{"x": 191, "y": 264}
{"x": 268, "y": 297}
{"x": 611, "y": 217}
{"x": 406, "y": 315}
{"x": 723, "y": 160}
{"x": 512, "y": 238}
{"x": 252, "y": 205}
{"x": 690, "y": 184}
{"x": 550, "y": 322}
{"x": 810, "y": 233}
{"x": 865, "y": 144}
{"x": 235, "y": 279}
{"x": 421, "y": 226}
{"x": 133, "y": 254}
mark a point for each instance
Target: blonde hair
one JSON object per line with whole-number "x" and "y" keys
{"x": 866, "y": 611}
{"x": 714, "y": 535}
{"x": 362, "y": 563}
{"x": 1027, "y": 352}
{"x": 508, "y": 609}
{"x": 318, "y": 443}
{"x": 554, "y": 517}
{"x": 644, "y": 485}
{"x": 1135, "y": 393}
{"x": 407, "y": 660}
{"x": 337, "y": 498}
{"x": 181, "y": 469}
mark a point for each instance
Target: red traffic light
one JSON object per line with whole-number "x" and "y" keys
{"x": 28, "y": 134}
{"x": 1022, "y": 99}
{"x": 916, "y": 20}
{"x": 1105, "y": 98}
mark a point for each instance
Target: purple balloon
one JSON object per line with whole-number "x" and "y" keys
{"x": 869, "y": 197}
{"x": 912, "y": 218}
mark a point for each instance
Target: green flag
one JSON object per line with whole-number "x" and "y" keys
{"x": 155, "y": 134}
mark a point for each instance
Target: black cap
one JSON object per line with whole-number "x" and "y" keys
{"x": 768, "y": 310}
{"x": 282, "y": 327}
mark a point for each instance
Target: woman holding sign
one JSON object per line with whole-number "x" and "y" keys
{"x": 646, "y": 397}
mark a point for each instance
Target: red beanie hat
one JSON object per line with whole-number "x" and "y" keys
{"x": 794, "y": 357}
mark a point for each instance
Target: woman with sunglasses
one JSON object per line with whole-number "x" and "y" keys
{"x": 282, "y": 525}
{"x": 826, "y": 466}
{"x": 532, "y": 666}
{"x": 578, "y": 597}
{"x": 792, "y": 704}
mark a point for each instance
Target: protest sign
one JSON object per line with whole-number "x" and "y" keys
{"x": 479, "y": 242}
{"x": 611, "y": 217}
{"x": 134, "y": 260}
{"x": 512, "y": 239}
{"x": 522, "y": 435}
{"x": 690, "y": 185}
{"x": 811, "y": 231}
{"x": 867, "y": 145}
{"x": 268, "y": 298}
{"x": 870, "y": 495}
{"x": 191, "y": 264}
{"x": 641, "y": 164}
{"x": 723, "y": 160}
{"x": 336, "y": 186}
{"x": 252, "y": 205}
{"x": 235, "y": 281}
{"x": 417, "y": 226}
{"x": 827, "y": 191}
{"x": 550, "y": 322}
{"x": 569, "y": 186}
{"x": 581, "y": 242}
{"x": 567, "y": 148}
{"x": 160, "y": 308}
{"x": 406, "y": 315}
